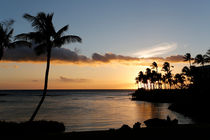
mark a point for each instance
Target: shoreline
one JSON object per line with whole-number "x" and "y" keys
{"x": 180, "y": 131}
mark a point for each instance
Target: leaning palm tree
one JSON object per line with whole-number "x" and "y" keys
{"x": 45, "y": 38}
{"x": 6, "y": 32}
{"x": 187, "y": 57}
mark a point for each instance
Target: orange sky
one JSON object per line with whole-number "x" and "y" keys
{"x": 113, "y": 75}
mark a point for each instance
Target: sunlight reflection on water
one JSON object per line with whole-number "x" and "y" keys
{"x": 86, "y": 110}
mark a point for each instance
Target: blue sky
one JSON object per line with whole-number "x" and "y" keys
{"x": 122, "y": 26}
{"x": 125, "y": 28}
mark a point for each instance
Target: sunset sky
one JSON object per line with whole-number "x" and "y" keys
{"x": 120, "y": 38}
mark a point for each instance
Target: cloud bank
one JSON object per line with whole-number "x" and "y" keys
{"x": 64, "y": 55}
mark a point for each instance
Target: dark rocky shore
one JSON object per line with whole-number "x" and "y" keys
{"x": 156, "y": 128}
{"x": 162, "y": 95}
{"x": 193, "y": 103}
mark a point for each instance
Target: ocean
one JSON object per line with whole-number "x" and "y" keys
{"x": 83, "y": 110}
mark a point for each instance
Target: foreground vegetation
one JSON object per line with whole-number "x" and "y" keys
{"x": 156, "y": 128}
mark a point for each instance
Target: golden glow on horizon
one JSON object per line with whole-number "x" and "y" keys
{"x": 106, "y": 76}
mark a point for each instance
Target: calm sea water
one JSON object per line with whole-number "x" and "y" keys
{"x": 83, "y": 110}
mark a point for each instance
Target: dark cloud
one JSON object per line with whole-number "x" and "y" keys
{"x": 173, "y": 58}
{"x": 58, "y": 54}
{"x": 107, "y": 57}
{"x": 64, "y": 55}
{"x": 66, "y": 79}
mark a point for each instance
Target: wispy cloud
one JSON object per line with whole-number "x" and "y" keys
{"x": 9, "y": 66}
{"x": 35, "y": 80}
{"x": 156, "y": 50}
{"x": 66, "y": 79}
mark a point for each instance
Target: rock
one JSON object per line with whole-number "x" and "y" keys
{"x": 125, "y": 127}
{"x": 137, "y": 125}
{"x": 160, "y": 122}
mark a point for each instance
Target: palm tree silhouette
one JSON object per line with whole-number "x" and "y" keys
{"x": 141, "y": 78}
{"x": 167, "y": 68}
{"x": 6, "y": 32}
{"x": 180, "y": 79}
{"x": 149, "y": 76}
{"x": 159, "y": 78}
{"x": 155, "y": 66}
{"x": 157, "y": 75}
{"x": 164, "y": 81}
{"x": 45, "y": 38}
{"x": 187, "y": 57}
{"x": 137, "y": 81}
{"x": 153, "y": 79}
{"x": 208, "y": 56}
{"x": 200, "y": 59}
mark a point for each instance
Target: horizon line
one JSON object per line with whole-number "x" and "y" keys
{"x": 66, "y": 89}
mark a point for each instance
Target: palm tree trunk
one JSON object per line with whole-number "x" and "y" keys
{"x": 45, "y": 85}
{"x": 190, "y": 63}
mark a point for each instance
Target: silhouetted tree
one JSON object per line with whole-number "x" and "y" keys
{"x": 208, "y": 56}
{"x": 141, "y": 77}
{"x": 157, "y": 75}
{"x": 6, "y": 41}
{"x": 155, "y": 66}
{"x": 180, "y": 80}
{"x": 200, "y": 59}
{"x": 188, "y": 73}
{"x": 137, "y": 81}
{"x": 187, "y": 57}
{"x": 167, "y": 68}
{"x": 149, "y": 76}
{"x": 159, "y": 78}
{"x": 153, "y": 79}
{"x": 145, "y": 81}
{"x": 45, "y": 38}
{"x": 164, "y": 81}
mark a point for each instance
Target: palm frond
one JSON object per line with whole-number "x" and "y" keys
{"x": 66, "y": 39}
{"x": 208, "y": 52}
{"x": 21, "y": 43}
{"x": 9, "y": 35}
{"x": 36, "y": 22}
{"x": 37, "y": 37}
{"x": 60, "y": 32}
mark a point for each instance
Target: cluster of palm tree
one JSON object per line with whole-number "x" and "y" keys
{"x": 43, "y": 39}
{"x": 152, "y": 79}
{"x": 199, "y": 58}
